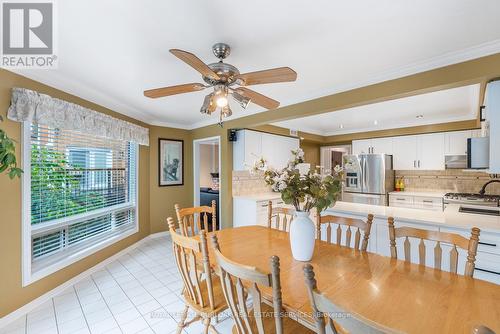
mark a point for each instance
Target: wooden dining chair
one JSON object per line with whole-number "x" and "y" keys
{"x": 202, "y": 290}
{"x": 241, "y": 281}
{"x": 331, "y": 318}
{"x": 357, "y": 224}
{"x": 192, "y": 220}
{"x": 455, "y": 240}
{"x": 282, "y": 217}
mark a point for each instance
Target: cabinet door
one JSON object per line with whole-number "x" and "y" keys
{"x": 382, "y": 145}
{"x": 405, "y": 152}
{"x": 270, "y": 149}
{"x": 430, "y": 150}
{"x": 253, "y": 147}
{"x": 361, "y": 146}
{"x": 456, "y": 142}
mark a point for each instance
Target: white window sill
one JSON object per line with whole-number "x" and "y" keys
{"x": 52, "y": 264}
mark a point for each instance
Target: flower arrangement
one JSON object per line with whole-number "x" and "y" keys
{"x": 303, "y": 190}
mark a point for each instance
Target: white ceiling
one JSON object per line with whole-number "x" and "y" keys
{"x": 457, "y": 104}
{"x": 110, "y": 51}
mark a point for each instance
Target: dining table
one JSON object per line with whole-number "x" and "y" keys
{"x": 391, "y": 293}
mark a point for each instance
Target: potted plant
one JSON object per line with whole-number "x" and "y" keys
{"x": 8, "y": 161}
{"x": 305, "y": 189}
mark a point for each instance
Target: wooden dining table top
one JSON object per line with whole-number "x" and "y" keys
{"x": 405, "y": 297}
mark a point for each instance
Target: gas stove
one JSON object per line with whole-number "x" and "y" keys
{"x": 474, "y": 199}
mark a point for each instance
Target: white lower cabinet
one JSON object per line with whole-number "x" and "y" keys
{"x": 403, "y": 200}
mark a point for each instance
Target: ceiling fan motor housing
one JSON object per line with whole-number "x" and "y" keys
{"x": 227, "y": 73}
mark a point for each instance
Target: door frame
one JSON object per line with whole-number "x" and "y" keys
{"x": 196, "y": 172}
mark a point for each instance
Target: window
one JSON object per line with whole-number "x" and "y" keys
{"x": 82, "y": 194}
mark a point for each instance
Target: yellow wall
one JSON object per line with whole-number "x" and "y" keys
{"x": 311, "y": 152}
{"x": 12, "y": 294}
{"x": 162, "y": 199}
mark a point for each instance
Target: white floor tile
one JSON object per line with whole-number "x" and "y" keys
{"x": 102, "y": 326}
{"x": 134, "y": 326}
{"x": 148, "y": 307}
{"x": 117, "y": 299}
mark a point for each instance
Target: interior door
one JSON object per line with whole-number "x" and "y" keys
{"x": 405, "y": 152}
{"x": 430, "y": 152}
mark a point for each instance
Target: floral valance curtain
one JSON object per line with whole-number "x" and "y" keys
{"x": 28, "y": 105}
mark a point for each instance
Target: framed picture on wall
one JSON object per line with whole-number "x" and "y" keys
{"x": 170, "y": 162}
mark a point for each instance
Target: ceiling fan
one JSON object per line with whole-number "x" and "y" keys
{"x": 224, "y": 78}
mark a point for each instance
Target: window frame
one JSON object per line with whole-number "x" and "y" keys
{"x": 78, "y": 252}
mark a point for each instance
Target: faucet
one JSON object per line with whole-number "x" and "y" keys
{"x": 483, "y": 189}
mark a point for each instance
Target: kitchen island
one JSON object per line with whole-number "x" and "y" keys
{"x": 449, "y": 220}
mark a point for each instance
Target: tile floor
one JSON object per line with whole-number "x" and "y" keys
{"x": 138, "y": 293}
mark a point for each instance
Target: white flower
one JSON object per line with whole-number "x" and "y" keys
{"x": 337, "y": 169}
{"x": 282, "y": 186}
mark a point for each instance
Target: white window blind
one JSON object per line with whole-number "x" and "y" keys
{"x": 83, "y": 190}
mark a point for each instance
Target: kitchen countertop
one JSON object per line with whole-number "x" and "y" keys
{"x": 450, "y": 217}
{"x": 422, "y": 193}
{"x": 259, "y": 197}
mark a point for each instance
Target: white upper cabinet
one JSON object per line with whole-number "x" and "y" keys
{"x": 422, "y": 152}
{"x": 405, "y": 153}
{"x": 492, "y": 103}
{"x": 430, "y": 152}
{"x": 455, "y": 143}
{"x": 361, "y": 146}
{"x": 251, "y": 145}
{"x": 382, "y": 145}
{"x": 376, "y": 145}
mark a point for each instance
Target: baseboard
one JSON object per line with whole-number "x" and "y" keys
{"x": 54, "y": 292}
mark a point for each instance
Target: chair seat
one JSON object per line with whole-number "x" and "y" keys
{"x": 289, "y": 325}
{"x": 219, "y": 300}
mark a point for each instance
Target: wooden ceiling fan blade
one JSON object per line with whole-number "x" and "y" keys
{"x": 173, "y": 90}
{"x": 258, "y": 98}
{"x": 280, "y": 74}
{"x": 195, "y": 63}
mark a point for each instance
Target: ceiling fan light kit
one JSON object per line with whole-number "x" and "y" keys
{"x": 222, "y": 77}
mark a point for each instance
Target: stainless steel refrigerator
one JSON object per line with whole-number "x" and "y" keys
{"x": 368, "y": 178}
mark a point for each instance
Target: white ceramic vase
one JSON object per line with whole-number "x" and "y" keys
{"x": 302, "y": 236}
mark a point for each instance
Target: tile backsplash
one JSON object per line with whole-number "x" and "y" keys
{"x": 246, "y": 183}
{"x": 450, "y": 180}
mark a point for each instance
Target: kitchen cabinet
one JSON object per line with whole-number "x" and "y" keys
{"x": 422, "y": 152}
{"x": 376, "y": 145}
{"x": 493, "y": 117}
{"x": 402, "y": 200}
{"x": 405, "y": 153}
{"x": 456, "y": 142}
{"x": 252, "y": 145}
{"x": 430, "y": 151}
{"x": 361, "y": 146}
{"x": 382, "y": 145}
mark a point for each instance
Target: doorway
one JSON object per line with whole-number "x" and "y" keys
{"x": 207, "y": 162}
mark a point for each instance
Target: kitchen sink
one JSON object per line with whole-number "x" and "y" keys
{"x": 480, "y": 211}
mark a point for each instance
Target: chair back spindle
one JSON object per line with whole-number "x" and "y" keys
{"x": 193, "y": 220}
{"x": 454, "y": 240}
{"x": 358, "y": 225}
{"x": 279, "y": 218}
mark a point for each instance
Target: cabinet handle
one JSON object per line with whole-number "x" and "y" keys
{"x": 400, "y": 199}
{"x": 414, "y": 163}
{"x": 427, "y": 201}
{"x": 488, "y": 271}
{"x": 419, "y": 164}
{"x": 487, "y": 244}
